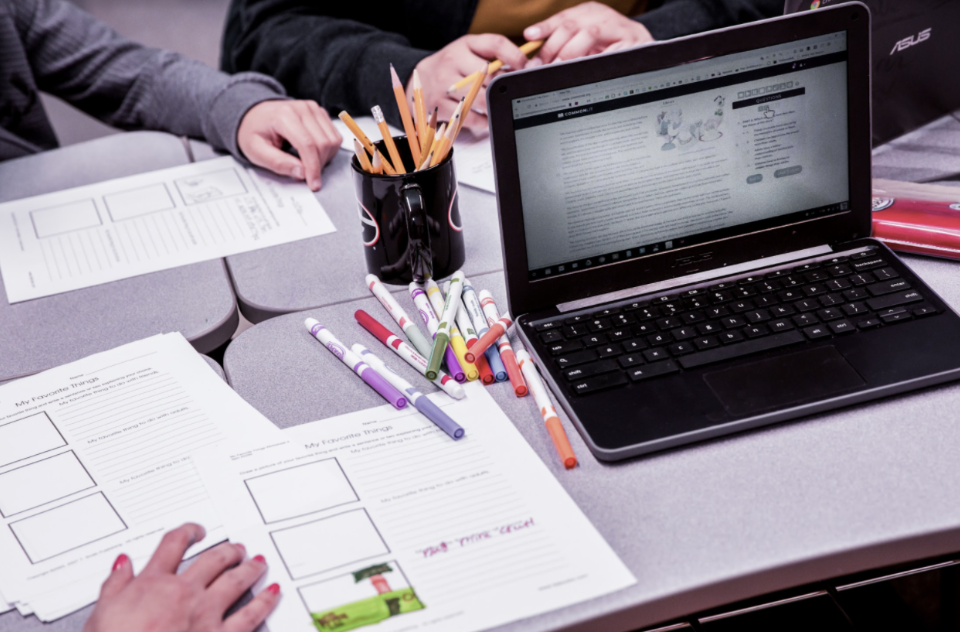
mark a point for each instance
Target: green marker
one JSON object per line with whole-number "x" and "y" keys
{"x": 442, "y": 338}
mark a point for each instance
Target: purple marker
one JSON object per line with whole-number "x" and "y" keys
{"x": 352, "y": 360}
{"x": 430, "y": 319}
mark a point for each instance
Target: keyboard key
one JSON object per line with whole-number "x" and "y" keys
{"x": 868, "y": 323}
{"x": 731, "y": 322}
{"x": 729, "y": 337}
{"x": 544, "y": 326}
{"x": 632, "y": 346}
{"x": 669, "y": 309}
{"x": 669, "y": 323}
{"x": 862, "y": 279}
{"x": 862, "y": 265}
{"x": 709, "y": 328}
{"x": 601, "y": 324}
{"x": 806, "y": 267}
{"x": 738, "y": 350}
{"x": 655, "y": 355}
{"x": 758, "y": 316}
{"x": 721, "y": 297}
{"x": 855, "y": 309}
{"x": 622, "y": 320}
{"x": 600, "y": 382}
{"x": 659, "y": 339}
{"x": 551, "y": 336}
{"x": 895, "y": 318}
{"x": 609, "y": 351}
{"x": 693, "y": 292}
{"x": 836, "y": 260}
{"x": 756, "y": 331}
{"x": 597, "y": 368}
{"x": 634, "y": 306}
{"x": 695, "y": 303}
{"x": 576, "y": 358}
{"x": 842, "y": 327}
{"x": 769, "y": 286}
{"x": 750, "y": 279}
{"x": 619, "y": 334}
{"x": 856, "y": 294}
{"x": 884, "y": 274}
{"x": 776, "y": 274}
{"x": 839, "y": 271}
{"x": 891, "y": 310}
{"x": 866, "y": 253}
{"x": 791, "y": 281}
{"x": 791, "y": 295}
{"x": 606, "y": 313}
{"x": 663, "y": 299}
{"x": 805, "y": 319}
{"x": 924, "y": 310}
{"x": 815, "y": 290}
{"x": 766, "y": 301}
{"x": 717, "y": 312}
{"x": 683, "y": 333}
{"x": 817, "y": 331}
{"x": 693, "y": 317}
{"x": 837, "y": 284}
{"x": 742, "y": 306}
{"x": 706, "y": 342}
{"x": 831, "y": 313}
{"x": 595, "y": 340}
{"x": 829, "y": 300}
{"x": 644, "y": 329}
{"x": 888, "y": 287}
{"x": 682, "y": 348}
{"x": 573, "y": 320}
{"x": 575, "y": 331}
{"x": 892, "y": 300}
{"x": 560, "y": 348}
{"x": 648, "y": 313}
{"x": 807, "y": 305}
{"x": 780, "y": 325}
{"x": 816, "y": 275}
{"x": 630, "y": 360}
{"x": 782, "y": 310}
{"x": 652, "y": 370}
{"x": 743, "y": 292}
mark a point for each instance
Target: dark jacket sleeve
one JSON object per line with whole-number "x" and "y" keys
{"x": 339, "y": 53}
{"x": 83, "y": 61}
{"x": 675, "y": 18}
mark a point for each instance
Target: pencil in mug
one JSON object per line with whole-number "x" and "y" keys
{"x": 503, "y": 344}
{"x": 421, "y": 113}
{"x": 550, "y": 418}
{"x": 388, "y": 140}
{"x": 408, "y": 128}
{"x": 362, "y": 156}
{"x": 441, "y": 151}
{"x": 353, "y": 127}
{"x": 495, "y": 65}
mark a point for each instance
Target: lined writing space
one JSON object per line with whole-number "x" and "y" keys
{"x": 140, "y": 434}
{"x": 66, "y": 527}
{"x": 474, "y": 515}
{"x": 41, "y": 482}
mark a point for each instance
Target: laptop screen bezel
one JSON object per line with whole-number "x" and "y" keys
{"x": 525, "y": 295}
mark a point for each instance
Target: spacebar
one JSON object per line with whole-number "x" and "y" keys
{"x": 744, "y": 348}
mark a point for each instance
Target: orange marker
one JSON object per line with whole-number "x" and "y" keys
{"x": 408, "y": 127}
{"x": 560, "y": 440}
{"x": 503, "y": 342}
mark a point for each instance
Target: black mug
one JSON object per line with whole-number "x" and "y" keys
{"x": 411, "y": 223}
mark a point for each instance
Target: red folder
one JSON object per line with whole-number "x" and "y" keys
{"x": 919, "y": 218}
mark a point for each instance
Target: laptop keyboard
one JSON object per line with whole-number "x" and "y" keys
{"x": 615, "y": 346}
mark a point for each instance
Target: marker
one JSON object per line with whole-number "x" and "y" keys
{"x": 503, "y": 343}
{"x": 407, "y": 353}
{"x": 458, "y": 339}
{"x": 349, "y": 358}
{"x": 429, "y": 317}
{"x": 498, "y": 326}
{"x": 422, "y": 403}
{"x": 445, "y": 314}
{"x": 466, "y": 327}
{"x": 408, "y": 326}
{"x": 472, "y": 303}
{"x": 549, "y": 414}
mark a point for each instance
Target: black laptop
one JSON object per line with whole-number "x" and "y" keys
{"x": 915, "y": 56}
{"x": 686, "y": 235}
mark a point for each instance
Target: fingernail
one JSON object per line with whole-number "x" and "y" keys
{"x": 273, "y": 589}
{"x": 260, "y": 558}
{"x": 297, "y": 172}
{"x": 532, "y": 33}
{"x": 533, "y": 63}
{"x": 315, "y": 185}
{"x": 242, "y": 548}
{"x": 121, "y": 561}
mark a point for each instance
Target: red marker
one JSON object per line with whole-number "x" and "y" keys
{"x": 497, "y": 329}
{"x": 501, "y": 324}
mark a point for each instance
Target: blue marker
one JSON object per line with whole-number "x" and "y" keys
{"x": 472, "y": 303}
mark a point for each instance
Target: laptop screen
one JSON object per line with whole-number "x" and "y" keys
{"x": 728, "y": 145}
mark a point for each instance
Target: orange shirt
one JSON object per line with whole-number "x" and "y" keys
{"x": 510, "y": 17}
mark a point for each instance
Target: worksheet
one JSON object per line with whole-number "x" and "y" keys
{"x": 127, "y": 227}
{"x": 378, "y": 517}
{"x": 472, "y": 157}
{"x": 95, "y": 460}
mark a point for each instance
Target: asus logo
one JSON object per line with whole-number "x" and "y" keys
{"x": 913, "y": 40}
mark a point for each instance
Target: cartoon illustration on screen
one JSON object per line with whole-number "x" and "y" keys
{"x": 668, "y": 127}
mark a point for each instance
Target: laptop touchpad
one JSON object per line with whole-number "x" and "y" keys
{"x": 787, "y": 380}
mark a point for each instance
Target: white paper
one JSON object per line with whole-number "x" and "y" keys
{"x": 95, "y": 460}
{"x": 472, "y": 157}
{"x": 478, "y": 528}
{"x": 127, "y": 227}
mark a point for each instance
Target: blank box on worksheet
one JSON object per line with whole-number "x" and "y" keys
{"x": 136, "y": 202}
{"x": 328, "y": 543}
{"x": 28, "y": 436}
{"x": 66, "y": 218}
{"x": 67, "y": 527}
{"x": 41, "y": 482}
{"x": 301, "y": 490}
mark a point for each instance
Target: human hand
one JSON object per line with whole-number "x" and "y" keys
{"x": 194, "y": 601}
{"x": 303, "y": 124}
{"x": 586, "y": 29}
{"x": 453, "y": 62}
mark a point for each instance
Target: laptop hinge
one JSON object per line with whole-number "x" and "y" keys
{"x": 698, "y": 277}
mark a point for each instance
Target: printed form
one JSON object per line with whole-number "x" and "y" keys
{"x": 127, "y": 227}
{"x": 472, "y": 157}
{"x": 95, "y": 461}
{"x": 378, "y": 517}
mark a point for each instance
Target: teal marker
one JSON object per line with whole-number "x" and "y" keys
{"x": 442, "y": 339}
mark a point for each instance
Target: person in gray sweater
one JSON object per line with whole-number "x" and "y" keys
{"x": 54, "y": 47}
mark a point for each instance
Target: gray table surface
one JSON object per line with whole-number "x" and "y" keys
{"x": 329, "y": 269}
{"x": 718, "y": 522}
{"x": 196, "y": 300}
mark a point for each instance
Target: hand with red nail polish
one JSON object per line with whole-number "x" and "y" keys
{"x": 193, "y": 601}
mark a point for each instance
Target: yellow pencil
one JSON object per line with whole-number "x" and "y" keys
{"x": 397, "y": 163}
{"x": 352, "y": 125}
{"x": 437, "y": 138}
{"x": 427, "y": 147}
{"x": 447, "y": 140}
{"x": 495, "y": 65}
{"x": 426, "y": 162}
{"x": 377, "y": 162}
{"x": 419, "y": 108}
{"x": 362, "y": 156}
{"x": 408, "y": 128}
{"x": 468, "y": 101}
